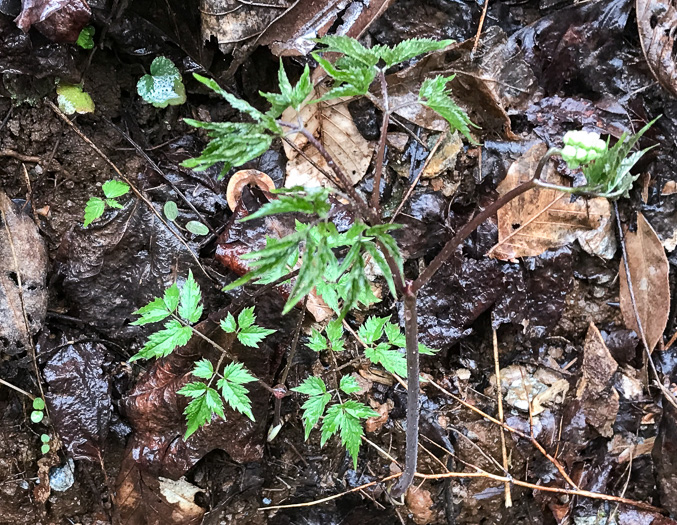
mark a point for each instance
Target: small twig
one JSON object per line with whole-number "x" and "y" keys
{"x": 148, "y": 203}
{"x": 479, "y": 30}
{"x": 160, "y": 172}
{"x": 412, "y": 186}
{"x": 499, "y": 399}
{"x": 668, "y": 395}
{"x": 19, "y": 156}
{"x": 20, "y": 390}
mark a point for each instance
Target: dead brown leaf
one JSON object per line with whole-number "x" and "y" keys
{"x": 58, "y": 20}
{"x": 542, "y": 219}
{"x": 599, "y": 400}
{"x": 330, "y": 122}
{"x": 375, "y": 423}
{"x": 649, "y": 270}
{"x": 419, "y": 503}
{"x": 656, "y": 22}
{"x": 22, "y": 254}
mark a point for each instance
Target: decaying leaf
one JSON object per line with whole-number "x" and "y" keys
{"x": 242, "y": 178}
{"x": 78, "y": 398}
{"x": 656, "y": 22}
{"x": 58, "y": 20}
{"x": 542, "y": 219}
{"x": 145, "y": 499}
{"x": 540, "y": 388}
{"x": 330, "y": 122}
{"x": 649, "y": 271}
{"x": 665, "y": 458}
{"x": 22, "y": 254}
{"x": 287, "y": 26}
{"x": 496, "y": 80}
{"x": 599, "y": 400}
{"x": 419, "y": 503}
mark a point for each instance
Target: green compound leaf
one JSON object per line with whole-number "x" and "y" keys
{"x": 312, "y": 386}
{"x": 197, "y": 228}
{"x": 86, "y": 37}
{"x": 203, "y": 369}
{"x": 236, "y": 395}
{"x": 153, "y": 312}
{"x": 114, "y": 188}
{"x": 392, "y": 360}
{"x": 349, "y": 385}
{"x": 372, "y": 329}
{"x": 162, "y": 343}
{"x": 313, "y": 409}
{"x": 71, "y": 99}
{"x": 39, "y": 403}
{"x": 349, "y": 47}
{"x": 312, "y": 201}
{"x": 93, "y": 210}
{"x": 345, "y": 419}
{"x": 200, "y": 410}
{"x": 395, "y": 336}
{"x": 317, "y": 342}
{"x": 253, "y": 335}
{"x": 171, "y": 210}
{"x": 113, "y": 204}
{"x": 163, "y": 87}
{"x": 434, "y": 94}
{"x": 190, "y": 296}
{"x": 228, "y": 324}
{"x": 171, "y": 297}
{"x": 246, "y": 318}
{"x": 409, "y": 49}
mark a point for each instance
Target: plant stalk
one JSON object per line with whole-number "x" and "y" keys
{"x": 413, "y": 385}
{"x": 380, "y": 155}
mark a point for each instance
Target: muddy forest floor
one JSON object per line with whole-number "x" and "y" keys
{"x": 557, "y": 314}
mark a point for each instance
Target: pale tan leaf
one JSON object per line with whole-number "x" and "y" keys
{"x": 330, "y": 122}
{"x": 542, "y": 219}
{"x": 649, "y": 271}
{"x": 656, "y": 22}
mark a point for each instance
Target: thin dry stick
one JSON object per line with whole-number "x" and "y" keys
{"x": 533, "y": 441}
{"x": 101, "y": 154}
{"x": 412, "y": 186}
{"x": 668, "y": 395}
{"x": 499, "y": 399}
{"x": 20, "y": 390}
{"x": 479, "y": 28}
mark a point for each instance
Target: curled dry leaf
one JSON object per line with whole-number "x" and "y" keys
{"x": 243, "y": 178}
{"x": 649, "y": 272}
{"x": 375, "y": 423}
{"x": 419, "y": 503}
{"x": 657, "y": 23}
{"x": 599, "y": 400}
{"x": 542, "y": 219}
{"x": 22, "y": 254}
{"x": 330, "y": 122}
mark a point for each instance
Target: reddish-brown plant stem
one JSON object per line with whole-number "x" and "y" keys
{"x": 380, "y": 155}
{"x": 413, "y": 372}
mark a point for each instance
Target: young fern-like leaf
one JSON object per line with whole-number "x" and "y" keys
{"x": 408, "y": 49}
{"x": 434, "y": 94}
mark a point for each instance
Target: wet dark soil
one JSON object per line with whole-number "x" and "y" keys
{"x": 114, "y": 417}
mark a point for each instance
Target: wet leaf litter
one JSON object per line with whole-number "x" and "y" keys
{"x": 573, "y": 366}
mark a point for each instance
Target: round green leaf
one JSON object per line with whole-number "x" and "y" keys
{"x": 39, "y": 403}
{"x": 36, "y": 416}
{"x": 44, "y": 438}
{"x": 197, "y": 228}
{"x": 171, "y": 210}
{"x": 162, "y": 66}
{"x": 44, "y": 449}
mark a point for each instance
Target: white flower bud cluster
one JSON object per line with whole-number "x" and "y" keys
{"x": 581, "y": 147}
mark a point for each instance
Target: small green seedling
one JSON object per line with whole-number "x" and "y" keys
{"x": 38, "y": 412}
{"x": 72, "y": 99}
{"x": 163, "y": 87}
{"x": 197, "y": 228}
{"x": 171, "y": 211}
{"x": 95, "y": 206}
{"x": 86, "y": 38}
{"x": 183, "y": 308}
{"x": 342, "y": 418}
{"x": 44, "y": 448}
